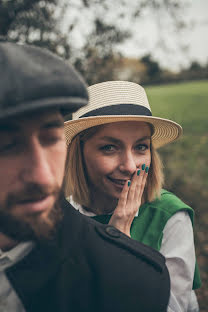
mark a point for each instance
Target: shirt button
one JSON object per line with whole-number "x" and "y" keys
{"x": 111, "y": 231}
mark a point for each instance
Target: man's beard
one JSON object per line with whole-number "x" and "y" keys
{"x": 32, "y": 227}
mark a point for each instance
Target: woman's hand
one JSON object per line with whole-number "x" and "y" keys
{"x": 129, "y": 201}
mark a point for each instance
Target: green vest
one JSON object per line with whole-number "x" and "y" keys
{"x": 148, "y": 226}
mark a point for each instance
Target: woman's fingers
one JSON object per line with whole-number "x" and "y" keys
{"x": 129, "y": 201}
{"x": 124, "y": 194}
{"x": 132, "y": 189}
{"x": 141, "y": 182}
{"x": 120, "y": 218}
{"x": 137, "y": 186}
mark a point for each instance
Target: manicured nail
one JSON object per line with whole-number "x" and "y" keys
{"x": 146, "y": 169}
{"x": 143, "y": 166}
{"x": 129, "y": 183}
{"x": 138, "y": 172}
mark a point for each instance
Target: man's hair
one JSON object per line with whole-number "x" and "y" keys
{"x": 76, "y": 182}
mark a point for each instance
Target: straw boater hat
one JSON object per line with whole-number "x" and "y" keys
{"x": 115, "y": 101}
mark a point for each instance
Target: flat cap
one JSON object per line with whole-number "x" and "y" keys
{"x": 33, "y": 78}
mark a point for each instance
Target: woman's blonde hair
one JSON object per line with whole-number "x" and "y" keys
{"x": 76, "y": 182}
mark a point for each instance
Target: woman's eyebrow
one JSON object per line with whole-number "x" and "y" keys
{"x": 110, "y": 139}
{"x": 148, "y": 137}
{"x": 117, "y": 141}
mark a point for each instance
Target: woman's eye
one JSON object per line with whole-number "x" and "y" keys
{"x": 142, "y": 147}
{"x": 108, "y": 148}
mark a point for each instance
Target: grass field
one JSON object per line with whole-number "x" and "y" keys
{"x": 186, "y": 160}
{"x": 187, "y": 104}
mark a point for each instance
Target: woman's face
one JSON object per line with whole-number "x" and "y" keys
{"x": 113, "y": 154}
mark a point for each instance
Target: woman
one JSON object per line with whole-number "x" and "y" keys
{"x": 114, "y": 174}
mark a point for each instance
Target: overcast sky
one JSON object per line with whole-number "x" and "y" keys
{"x": 196, "y": 38}
{"x": 146, "y": 34}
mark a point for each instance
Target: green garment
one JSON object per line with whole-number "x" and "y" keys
{"x": 148, "y": 226}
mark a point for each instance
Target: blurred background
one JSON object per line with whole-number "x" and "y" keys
{"x": 160, "y": 44}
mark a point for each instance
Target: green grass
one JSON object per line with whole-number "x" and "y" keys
{"x": 186, "y": 160}
{"x": 186, "y": 103}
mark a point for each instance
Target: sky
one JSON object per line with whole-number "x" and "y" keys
{"x": 146, "y": 34}
{"x": 195, "y": 37}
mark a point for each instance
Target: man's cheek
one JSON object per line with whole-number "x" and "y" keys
{"x": 59, "y": 169}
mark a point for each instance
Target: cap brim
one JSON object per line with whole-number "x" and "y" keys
{"x": 66, "y": 105}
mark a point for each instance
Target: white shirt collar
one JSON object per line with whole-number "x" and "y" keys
{"x": 12, "y": 256}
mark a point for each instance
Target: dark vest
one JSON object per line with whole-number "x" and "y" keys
{"x": 91, "y": 267}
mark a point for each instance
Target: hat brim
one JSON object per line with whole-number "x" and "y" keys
{"x": 165, "y": 131}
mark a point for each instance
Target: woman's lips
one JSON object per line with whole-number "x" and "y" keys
{"x": 118, "y": 182}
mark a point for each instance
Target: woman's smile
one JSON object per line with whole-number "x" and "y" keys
{"x": 117, "y": 181}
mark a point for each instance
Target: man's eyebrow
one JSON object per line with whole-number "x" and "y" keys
{"x": 9, "y": 127}
{"x": 55, "y": 123}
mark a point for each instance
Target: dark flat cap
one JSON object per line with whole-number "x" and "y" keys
{"x": 33, "y": 78}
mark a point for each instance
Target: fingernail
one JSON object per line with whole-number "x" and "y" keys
{"x": 129, "y": 183}
{"x": 146, "y": 169}
{"x": 138, "y": 172}
{"x": 143, "y": 166}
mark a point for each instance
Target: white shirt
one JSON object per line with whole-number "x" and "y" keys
{"x": 178, "y": 249}
{"x": 9, "y": 301}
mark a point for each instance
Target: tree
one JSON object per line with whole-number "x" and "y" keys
{"x": 102, "y": 26}
{"x": 97, "y": 60}
{"x": 33, "y": 22}
{"x": 153, "y": 70}
{"x": 195, "y": 66}
{"x": 112, "y": 23}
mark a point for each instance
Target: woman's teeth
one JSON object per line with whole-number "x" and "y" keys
{"x": 118, "y": 181}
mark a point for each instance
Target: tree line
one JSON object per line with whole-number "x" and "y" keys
{"x": 56, "y": 25}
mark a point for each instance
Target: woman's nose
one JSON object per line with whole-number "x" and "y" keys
{"x": 128, "y": 163}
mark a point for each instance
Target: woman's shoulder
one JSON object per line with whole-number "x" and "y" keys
{"x": 167, "y": 196}
{"x": 170, "y": 203}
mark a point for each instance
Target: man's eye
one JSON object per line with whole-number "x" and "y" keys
{"x": 7, "y": 147}
{"x": 52, "y": 136}
{"x": 51, "y": 139}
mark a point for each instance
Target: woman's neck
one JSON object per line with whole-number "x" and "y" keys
{"x": 102, "y": 203}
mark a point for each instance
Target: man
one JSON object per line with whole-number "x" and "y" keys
{"x": 51, "y": 257}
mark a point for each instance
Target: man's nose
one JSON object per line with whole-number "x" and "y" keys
{"x": 37, "y": 164}
{"x": 128, "y": 163}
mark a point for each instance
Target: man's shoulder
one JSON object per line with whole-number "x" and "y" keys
{"x": 95, "y": 262}
{"x": 115, "y": 259}
{"x": 98, "y": 237}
